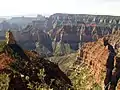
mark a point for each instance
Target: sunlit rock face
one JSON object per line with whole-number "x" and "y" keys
{"x": 10, "y": 38}
{"x": 95, "y": 55}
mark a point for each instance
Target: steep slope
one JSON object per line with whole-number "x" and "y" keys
{"x": 79, "y": 73}
{"x": 79, "y": 34}
{"x": 25, "y": 70}
{"x": 88, "y": 71}
{"x": 30, "y": 36}
{"x": 95, "y": 55}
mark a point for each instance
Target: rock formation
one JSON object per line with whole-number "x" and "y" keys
{"x": 30, "y": 36}
{"x": 77, "y": 28}
{"x": 60, "y": 19}
{"x": 10, "y": 38}
{"x": 76, "y": 36}
{"x": 26, "y": 70}
{"x": 95, "y": 55}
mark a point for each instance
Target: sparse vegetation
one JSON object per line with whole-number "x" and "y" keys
{"x": 4, "y": 81}
{"x": 63, "y": 49}
{"x": 79, "y": 75}
{"x": 31, "y": 73}
{"x": 82, "y": 78}
{"x": 2, "y": 44}
{"x": 78, "y": 72}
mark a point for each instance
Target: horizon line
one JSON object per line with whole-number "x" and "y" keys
{"x": 48, "y": 15}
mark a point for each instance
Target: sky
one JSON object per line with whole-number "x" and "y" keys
{"x": 48, "y": 7}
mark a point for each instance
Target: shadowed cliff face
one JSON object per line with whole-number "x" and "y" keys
{"x": 81, "y": 33}
{"x": 28, "y": 38}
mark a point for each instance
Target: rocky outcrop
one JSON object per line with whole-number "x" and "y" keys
{"x": 26, "y": 70}
{"x": 95, "y": 55}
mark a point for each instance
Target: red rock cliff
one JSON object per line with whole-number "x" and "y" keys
{"x": 95, "y": 54}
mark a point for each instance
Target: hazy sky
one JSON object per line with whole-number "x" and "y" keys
{"x": 25, "y": 7}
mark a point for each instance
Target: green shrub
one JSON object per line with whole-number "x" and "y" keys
{"x": 4, "y": 82}
{"x": 2, "y": 44}
{"x": 82, "y": 79}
